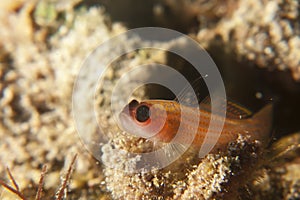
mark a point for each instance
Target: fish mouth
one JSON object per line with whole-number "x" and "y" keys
{"x": 127, "y": 124}
{"x": 124, "y": 119}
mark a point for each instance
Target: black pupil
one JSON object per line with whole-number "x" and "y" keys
{"x": 142, "y": 113}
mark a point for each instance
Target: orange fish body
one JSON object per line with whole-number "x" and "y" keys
{"x": 159, "y": 120}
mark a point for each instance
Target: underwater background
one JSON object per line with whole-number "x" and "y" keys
{"x": 255, "y": 44}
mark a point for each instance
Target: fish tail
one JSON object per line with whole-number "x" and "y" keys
{"x": 259, "y": 126}
{"x": 265, "y": 114}
{"x": 262, "y": 121}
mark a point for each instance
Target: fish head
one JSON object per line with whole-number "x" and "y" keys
{"x": 143, "y": 119}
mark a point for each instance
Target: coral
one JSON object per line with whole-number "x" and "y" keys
{"x": 208, "y": 178}
{"x": 206, "y": 13}
{"x": 243, "y": 171}
{"x": 271, "y": 42}
{"x": 38, "y": 66}
{"x": 279, "y": 178}
{"x": 60, "y": 194}
{"x": 154, "y": 184}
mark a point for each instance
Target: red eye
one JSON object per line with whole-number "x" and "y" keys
{"x": 142, "y": 113}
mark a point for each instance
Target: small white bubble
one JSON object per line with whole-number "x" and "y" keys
{"x": 258, "y": 95}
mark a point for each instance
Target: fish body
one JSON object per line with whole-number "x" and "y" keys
{"x": 160, "y": 120}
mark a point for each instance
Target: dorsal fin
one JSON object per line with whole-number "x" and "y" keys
{"x": 186, "y": 94}
{"x": 233, "y": 110}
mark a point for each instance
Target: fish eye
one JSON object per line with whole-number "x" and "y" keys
{"x": 142, "y": 113}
